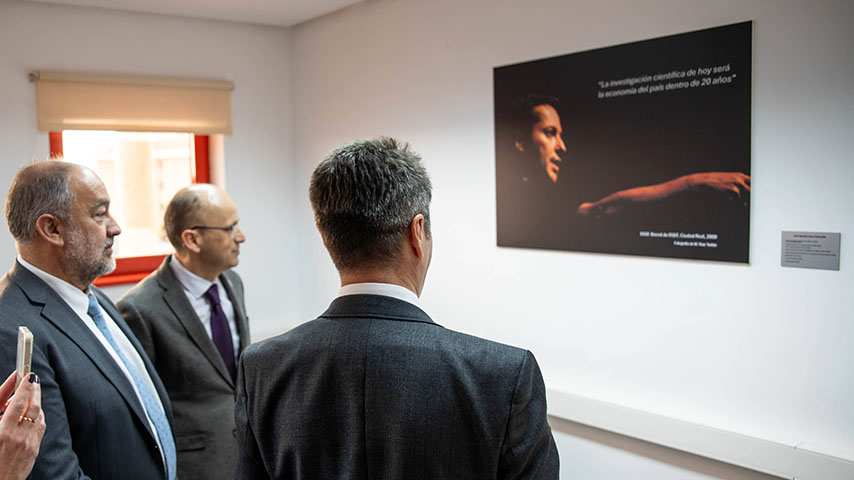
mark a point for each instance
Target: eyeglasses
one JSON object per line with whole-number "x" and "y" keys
{"x": 231, "y": 230}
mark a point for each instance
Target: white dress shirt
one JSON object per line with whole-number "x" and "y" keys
{"x": 385, "y": 289}
{"x": 79, "y": 303}
{"x": 195, "y": 288}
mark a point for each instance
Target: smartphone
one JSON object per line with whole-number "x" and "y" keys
{"x": 25, "y": 354}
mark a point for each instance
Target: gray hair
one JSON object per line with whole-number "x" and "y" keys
{"x": 181, "y": 214}
{"x": 365, "y": 195}
{"x": 37, "y": 189}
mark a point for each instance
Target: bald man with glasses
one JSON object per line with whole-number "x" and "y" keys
{"x": 191, "y": 319}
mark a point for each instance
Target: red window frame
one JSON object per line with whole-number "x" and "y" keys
{"x": 134, "y": 269}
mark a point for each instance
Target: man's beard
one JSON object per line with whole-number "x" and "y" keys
{"x": 85, "y": 262}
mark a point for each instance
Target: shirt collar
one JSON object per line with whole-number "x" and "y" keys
{"x": 385, "y": 289}
{"x": 77, "y": 299}
{"x": 196, "y": 285}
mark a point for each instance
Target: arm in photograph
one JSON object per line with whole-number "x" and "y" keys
{"x": 732, "y": 185}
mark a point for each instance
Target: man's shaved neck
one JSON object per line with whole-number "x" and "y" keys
{"x": 398, "y": 272}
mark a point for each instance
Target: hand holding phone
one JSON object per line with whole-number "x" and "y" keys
{"x": 25, "y": 354}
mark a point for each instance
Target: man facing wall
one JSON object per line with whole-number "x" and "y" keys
{"x": 373, "y": 388}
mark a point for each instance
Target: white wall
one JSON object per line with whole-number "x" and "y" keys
{"x": 756, "y": 349}
{"x": 39, "y": 36}
{"x": 760, "y": 350}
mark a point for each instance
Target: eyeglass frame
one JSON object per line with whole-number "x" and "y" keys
{"x": 231, "y": 230}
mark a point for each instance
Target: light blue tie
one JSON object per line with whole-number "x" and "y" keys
{"x": 155, "y": 413}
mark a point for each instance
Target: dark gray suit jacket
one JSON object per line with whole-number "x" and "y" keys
{"x": 374, "y": 389}
{"x": 200, "y": 388}
{"x": 96, "y": 426}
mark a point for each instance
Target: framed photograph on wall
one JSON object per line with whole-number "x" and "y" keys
{"x": 638, "y": 149}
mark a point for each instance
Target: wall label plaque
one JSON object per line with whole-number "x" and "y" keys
{"x": 810, "y": 250}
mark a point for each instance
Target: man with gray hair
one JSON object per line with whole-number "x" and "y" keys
{"x": 108, "y": 412}
{"x": 373, "y": 388}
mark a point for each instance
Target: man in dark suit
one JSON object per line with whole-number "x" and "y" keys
{"x": 190, "y": 317}
{"x": 108, "y": 412}
{"x": 373, "y": 388}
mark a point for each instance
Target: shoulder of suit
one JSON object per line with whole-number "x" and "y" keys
{"x": 285, "y": 342}
{"x": 458, "y": 342}
{"x": 479, "y": 347}
{"x": 8, "y": 286}
{"x": 12, "y": 300}
{"x": 21, "y": 283}
{"x": 142, "y": 292}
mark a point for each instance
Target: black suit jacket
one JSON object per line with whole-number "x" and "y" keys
{"x": 374, "y": 389}
{"x": 199, "y": 386}
{"x": 96, "y": 426}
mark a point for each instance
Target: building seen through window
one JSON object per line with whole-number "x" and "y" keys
{"x": 142, "y": 171}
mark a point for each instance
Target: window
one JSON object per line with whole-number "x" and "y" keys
{"x": 142, "y": 171}
{"x": 115, "y": 125}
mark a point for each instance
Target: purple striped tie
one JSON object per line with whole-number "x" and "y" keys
{"x": 220, "y": 332}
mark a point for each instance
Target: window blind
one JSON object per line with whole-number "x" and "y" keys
{"x": 89, "y": 101}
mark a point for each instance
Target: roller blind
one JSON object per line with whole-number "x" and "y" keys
{"x": 86, "y": 101}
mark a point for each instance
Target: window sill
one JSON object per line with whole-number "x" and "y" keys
{"x": 130, "y": 270}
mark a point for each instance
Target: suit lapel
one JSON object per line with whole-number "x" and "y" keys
{"x": 176, "y": 299}
{"x": 58, "y": 313}
{"x": 239, "y": 311}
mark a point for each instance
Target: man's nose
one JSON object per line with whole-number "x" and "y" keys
{"x": 560, "y": 145}
{"x": 113, "y": 228}
{"x": 239, "y": 237}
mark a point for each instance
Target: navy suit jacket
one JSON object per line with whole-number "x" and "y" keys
{"x": 96, "y": 426}
{"x": 373, "y": 388}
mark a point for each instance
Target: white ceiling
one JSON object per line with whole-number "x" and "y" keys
{"x": 283, "y": 13}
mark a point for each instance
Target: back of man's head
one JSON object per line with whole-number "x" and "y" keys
{"x": 182, "y": 213}
{"x": 37, "y": 189}
{"x": 365, "y": 195}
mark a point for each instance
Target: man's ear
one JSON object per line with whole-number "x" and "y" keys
{"x": 417, "y": 235}
{"x": 51, "y": 229}
{"x": 191, "y": 240}
{"x": 519, "y": 146}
